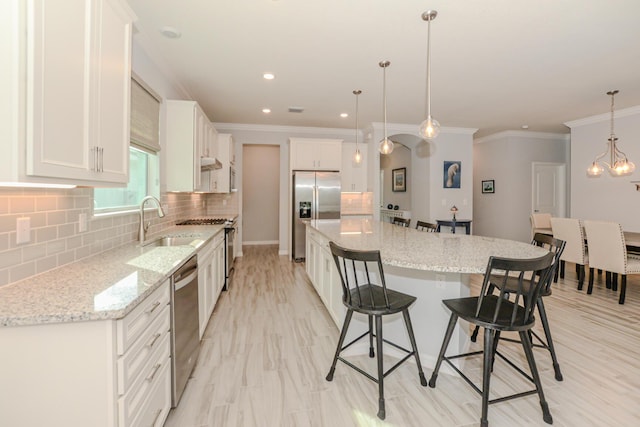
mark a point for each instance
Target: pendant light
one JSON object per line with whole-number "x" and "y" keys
{"x": 386, "y": 145}
{"x": 619, "y": 164}
{"x": 429, "y": 128}
{"x": 357, "y": 157}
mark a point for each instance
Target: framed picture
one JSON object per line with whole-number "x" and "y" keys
{"x": 399, "y": 179}
{"x": 488, "y": 186}
{"x": 452, "y": 174}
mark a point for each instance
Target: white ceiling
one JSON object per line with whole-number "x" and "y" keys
{"x": 496, "y": 64}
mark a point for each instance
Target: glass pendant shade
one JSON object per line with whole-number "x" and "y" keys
{"x": 357, "y": 157}
{"x": 595, "y": 169}
{"x": 429, "y": 128}
{"x": 386, "y": 146}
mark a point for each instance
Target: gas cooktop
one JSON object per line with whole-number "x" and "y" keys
{"x": 205, "y": 221}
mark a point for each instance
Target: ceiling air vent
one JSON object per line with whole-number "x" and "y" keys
{"x": 296, "y": 109}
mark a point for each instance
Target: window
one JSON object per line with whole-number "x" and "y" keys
{"x": 143, "y": 181}
{"x": 143, "y": 155}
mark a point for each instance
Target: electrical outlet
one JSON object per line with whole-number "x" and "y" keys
{"x": 82, "y": 222}
{"x": 23, "y": 230}
{"x": 440, "y": 281}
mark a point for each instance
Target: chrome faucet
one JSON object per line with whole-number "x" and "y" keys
{"x": 144, "y": 227}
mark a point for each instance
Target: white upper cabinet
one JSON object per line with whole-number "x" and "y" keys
{"x": 69, "y": 64}
{"x": 352, "y": 174}
{"x": 186, "y": 134}
{"x": 316, "y": 154}
{"x": 226, "y": 155}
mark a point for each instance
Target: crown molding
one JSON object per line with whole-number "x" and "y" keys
{"x": 549, "y": 136}
{"x": 626, "y": 112}
{"x": 413, "y": 129}
{"x": 283, "y": 129}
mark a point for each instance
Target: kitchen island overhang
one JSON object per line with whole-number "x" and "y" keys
{"x": 429, "y": 266}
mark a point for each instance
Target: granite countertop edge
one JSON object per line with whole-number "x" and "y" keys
{"x": 105, "y": 286}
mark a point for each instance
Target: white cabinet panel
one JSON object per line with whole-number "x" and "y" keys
{"x": 315, "y": 154}
{"x": 78, "y": 68}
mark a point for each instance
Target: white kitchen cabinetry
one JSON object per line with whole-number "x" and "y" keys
{"x": 352, "y": 174}
{"x": 315, "y": 154}
{"x": 67, "y": 87}
{"x": 108, "y": 373}
{"x": 324, "y": 275}
{"x": 210, "y": 278}
{"x": 186, "y": 135}
{"x": 226, "y": 156}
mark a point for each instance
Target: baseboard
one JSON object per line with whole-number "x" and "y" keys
{"x": 261, "y": 242}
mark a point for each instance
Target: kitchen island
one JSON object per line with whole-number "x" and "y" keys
{"x": 429, "y": 266}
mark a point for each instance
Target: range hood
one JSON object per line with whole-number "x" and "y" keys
{"x": 209, "y": 163}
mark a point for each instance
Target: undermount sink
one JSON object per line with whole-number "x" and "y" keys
{"x": 176, "y": 241}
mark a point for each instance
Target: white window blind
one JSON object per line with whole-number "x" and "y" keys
{"x": 145, "y": 117}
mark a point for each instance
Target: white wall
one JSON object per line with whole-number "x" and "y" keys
{"x": 260, "y": 194}
{"x": 400, "y": 157}
{"x": 606, "y": 197}
{"x": 506, "y": 158}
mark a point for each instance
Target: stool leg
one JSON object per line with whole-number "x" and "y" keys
{"x": 623, "y": 288}
{"x": 614, "y": 282}
{"x": 608, "y": 279}
{"x": 487, "y": 366}
{"x": 414, "y": 346}
{"x": 581, "y": 275}
{"x": 590, "y": 287}
{"x": 474, "y": 335}
{"x": 528, "y": 350}
{"x": 547, "y": 334}
{"x": 381, "y": 411}
{"x": 445, "y": 343}
{"x": 371, "y": 353}
{"x": 343, "y": 334}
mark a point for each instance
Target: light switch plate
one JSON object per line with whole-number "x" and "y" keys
{"x": 82, "y": 222}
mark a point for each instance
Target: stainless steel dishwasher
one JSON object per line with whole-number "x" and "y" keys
{"x": 185, "y": 341}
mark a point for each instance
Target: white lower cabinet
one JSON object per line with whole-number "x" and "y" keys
{"x": 324, "y": 276}
{"x": 210, "y": 278}
{"x": 107, "y": 373}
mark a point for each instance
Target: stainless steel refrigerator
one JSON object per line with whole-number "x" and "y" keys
{"x": 316, "y": 195}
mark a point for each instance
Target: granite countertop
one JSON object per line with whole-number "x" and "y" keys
{"x": 106, "y": 286}
{"x": 409, "y": 248}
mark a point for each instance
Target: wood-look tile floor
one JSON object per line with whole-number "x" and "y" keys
{"x": 270, "y": 343}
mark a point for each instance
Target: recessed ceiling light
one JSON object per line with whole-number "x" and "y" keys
{"x": 269, "y": 76}
{"x": 525, "y": 127}
{"x": 343, "y": 115}
{"x": 266, "y": 110}
{"x": 170, "y": 32}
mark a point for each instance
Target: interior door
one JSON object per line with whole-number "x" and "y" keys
{"x": 549, "y": 188}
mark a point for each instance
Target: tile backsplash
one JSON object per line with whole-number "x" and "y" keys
{"x": 356, "y": 203}
{"x": 54, "y": 220}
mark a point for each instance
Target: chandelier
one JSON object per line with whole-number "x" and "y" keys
{"x": 618, "y": 164}
{"x": 386, "y": 145}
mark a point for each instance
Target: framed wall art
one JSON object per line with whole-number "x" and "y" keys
{"x": 452, "y": 174}
{"x": 488, "y": 186}
{"x": 399, "y": 179}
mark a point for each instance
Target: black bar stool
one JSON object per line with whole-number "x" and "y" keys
{"x": 497, "y": 313}
{"x": 360, "y": 295}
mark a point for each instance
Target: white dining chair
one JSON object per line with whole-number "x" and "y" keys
{"x": 608, "y": 252}
{"x": 540, "y": 223}
{"x": 571, "y": 231}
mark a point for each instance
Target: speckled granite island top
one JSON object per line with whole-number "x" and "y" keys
{"x": 106, "y": 286}
{"x": 420, "y": 250}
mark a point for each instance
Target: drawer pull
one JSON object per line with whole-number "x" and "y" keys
{"x": 154, "y": 339}
{"x": 153, "y": 308}
{"x": 155, "y": 371}
{"x": 155, "y": 419}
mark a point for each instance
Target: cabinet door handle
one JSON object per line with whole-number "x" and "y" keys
{"x": 153, "y": 308}
{"x": 154, "y": 339}
{"x": 101, "y": 159}
{"x": 154, "y": 372}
